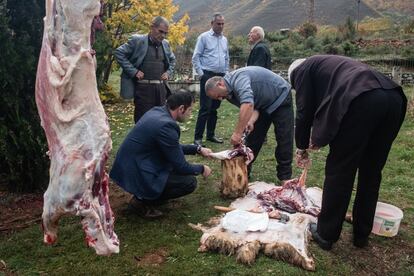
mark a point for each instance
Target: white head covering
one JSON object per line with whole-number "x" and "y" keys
{"x": 293, "y": 66}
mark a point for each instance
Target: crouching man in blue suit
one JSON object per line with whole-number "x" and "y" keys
{"x": 150, "y": 163}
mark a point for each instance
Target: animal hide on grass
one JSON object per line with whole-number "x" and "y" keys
{"x": 286, "y": 241}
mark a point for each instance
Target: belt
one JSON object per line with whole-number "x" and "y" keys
{"x": 151, "y": 81}
{"x": 213, "y": 73}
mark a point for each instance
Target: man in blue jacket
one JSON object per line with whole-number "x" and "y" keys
{"x": 150, "y": 163}
{"x": 264, "y": 98}
{"x": 147, "y": 63}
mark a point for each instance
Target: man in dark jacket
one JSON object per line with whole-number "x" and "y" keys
{"x": 260, "y": 54}
{"x": 358, "y": 112}
{"x": 150, "y": 163}
{"x": 147, "y": 63}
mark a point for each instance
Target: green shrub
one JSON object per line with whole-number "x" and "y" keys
{"x": 347, "y": 30}
{"x": 308, "y": 29}
{"x": 409, "y": 28}
{"x": 310, "y": 43}
{"x": 22, "y": 142}
{"x": 282, "y": 49}
{"x": 408, "y": 52}
{"x": 275, "y": 37}
{"x": 326, "y": 40}
{"x": 107, "y": 94}
{"x": 331, "y": 49}
{"x": 295, "y": 38}
{"x": 349, "y": 49}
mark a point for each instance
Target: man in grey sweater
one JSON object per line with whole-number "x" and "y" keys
{"x": 263, "y": 98}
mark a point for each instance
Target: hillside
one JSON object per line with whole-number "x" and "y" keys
{"x": 241, "y": 15}
{"x": 398, "y": 6}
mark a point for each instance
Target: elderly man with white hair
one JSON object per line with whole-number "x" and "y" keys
{"x": 358, "y": 112}
{"x": 259, "y": 54}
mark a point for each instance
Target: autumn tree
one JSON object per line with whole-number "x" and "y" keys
{"x": 126, "y": 17}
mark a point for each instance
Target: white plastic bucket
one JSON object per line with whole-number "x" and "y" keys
{"x": 387, "y": 220}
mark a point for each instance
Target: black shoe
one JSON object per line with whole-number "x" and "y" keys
{"x": 360, "y": 242}
{"x": 198, "y": 142}
{"x": 324, "y": 244}
{"x": 140, "y": 208}
{"x": 215, "y": 139}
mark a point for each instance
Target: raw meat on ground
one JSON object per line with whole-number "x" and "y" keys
{"x": 291, "y": 197}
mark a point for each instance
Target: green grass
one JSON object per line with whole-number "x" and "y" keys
{"x": 24, "y": 253}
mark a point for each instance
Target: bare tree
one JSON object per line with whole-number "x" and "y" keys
{"x": 311, "y": 10}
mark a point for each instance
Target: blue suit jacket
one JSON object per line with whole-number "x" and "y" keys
{"x": 149, "y": 153}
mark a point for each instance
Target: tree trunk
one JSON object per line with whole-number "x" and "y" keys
{"x": 108, "y": 69}
{"x": 234, "y": 182}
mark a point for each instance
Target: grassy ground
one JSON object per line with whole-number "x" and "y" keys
{"x": 169, "y": 247}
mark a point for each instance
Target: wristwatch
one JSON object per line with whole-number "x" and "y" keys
{"x": 199, "y": 148}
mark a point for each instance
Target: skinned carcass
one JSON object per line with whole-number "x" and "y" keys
{"x": 285, "y": 240}
{"x": 291, "y": 197}
{"x": 75, "y": 124}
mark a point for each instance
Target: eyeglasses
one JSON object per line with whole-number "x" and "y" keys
{"x": 162, "y": 32}
{"x": 220, "y": 24}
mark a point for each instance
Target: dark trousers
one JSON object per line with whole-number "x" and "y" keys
{"x": 147, "y": 96}
{"x": 177, "y": 186}
{"x": 362, "y": 144}
{"x": 282, "y": 119}
{"x": 207, "y": 113}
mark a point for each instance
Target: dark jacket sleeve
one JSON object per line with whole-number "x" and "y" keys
{"x": 169, "y": 144}
{"x": 189, "y": 149}
{"x": 305, "y": 105}
{"x": 259, "y": 57}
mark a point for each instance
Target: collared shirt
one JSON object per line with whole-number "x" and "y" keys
{"x": 211, "y": 53}
{"x": 256, "y": 85}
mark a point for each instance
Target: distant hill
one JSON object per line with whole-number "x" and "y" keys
{"x": 272, "y": 15}
{"x": 399, "y": 6}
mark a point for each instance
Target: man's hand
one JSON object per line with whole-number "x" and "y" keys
{"x": 302, "y": 159}
{"x": 207, "y": 171}
{"x": 140, "y": 75}
{"x": 236, "y": 139}
{"x": 164, "y": 76}
{"x": 205, "y": 152}
{"x": 250, "y": 126}
{"x": 252, "y": 121}
{"x": 313, "y": 147}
